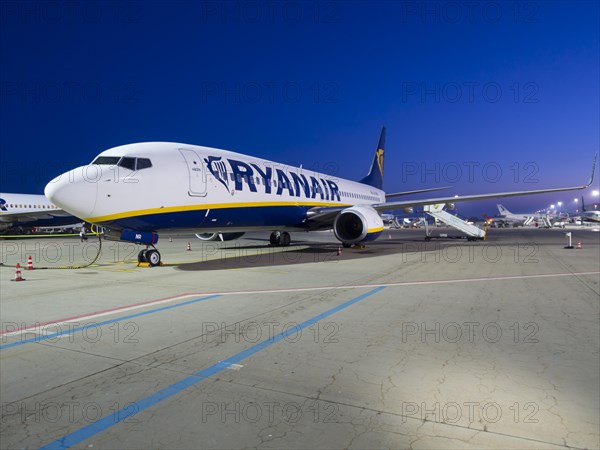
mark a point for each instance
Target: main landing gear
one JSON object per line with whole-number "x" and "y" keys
{"x": 280, "y": 239}
{"x": 150, "y": 256}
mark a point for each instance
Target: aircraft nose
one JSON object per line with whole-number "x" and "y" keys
{"x": 73, "y": 191}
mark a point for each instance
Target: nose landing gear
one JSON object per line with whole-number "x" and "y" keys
{"x": 149, "y": 256}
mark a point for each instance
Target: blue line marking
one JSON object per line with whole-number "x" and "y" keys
{"x": 106, "y": 422}
{"x": 106, "y": 322}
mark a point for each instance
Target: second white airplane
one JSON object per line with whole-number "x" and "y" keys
{"x": 22, "y": 212}
{"x": 136, "y": 190}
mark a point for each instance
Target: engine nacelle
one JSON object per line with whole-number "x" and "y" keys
{"x": 450, "y": 206}
{"x": 408, "y": 210}
{"x": 219, "y": 236}
{"x": 357, "y": 224}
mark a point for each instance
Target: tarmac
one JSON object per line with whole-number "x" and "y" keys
{"x": 400, "y": 344}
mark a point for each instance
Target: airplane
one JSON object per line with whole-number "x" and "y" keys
{"x": 506, "y": 214}
{"x": 136, "y": 190}
{"x": 588, "y": 216}
{"x": 22, "y": 212}
{"x": 506, "y": 217}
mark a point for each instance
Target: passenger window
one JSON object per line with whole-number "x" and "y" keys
{"x": 128, "y": 163}
{"x": 143, "y": 163}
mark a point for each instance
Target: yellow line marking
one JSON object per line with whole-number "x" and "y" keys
{"x": 201, "y": 207}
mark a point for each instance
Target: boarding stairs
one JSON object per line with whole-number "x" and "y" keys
{"x": 528, "y": 221}
{"x": 437, "y": 212}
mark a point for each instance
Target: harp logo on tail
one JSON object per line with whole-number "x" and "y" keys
{"x": 379, "y": 156}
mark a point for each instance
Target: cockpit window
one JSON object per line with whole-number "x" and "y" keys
{"x": 128, "y": 163}
{"x": 107, "y": 160}
{"x": 143, "y": 163}
{"x": 125, "y": 161}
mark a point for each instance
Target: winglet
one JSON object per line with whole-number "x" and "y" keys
{"x": 375, "y": 176}
{"x": 593, "y": 169}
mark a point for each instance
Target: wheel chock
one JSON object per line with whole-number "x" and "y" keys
{"x": 147, "y": 264}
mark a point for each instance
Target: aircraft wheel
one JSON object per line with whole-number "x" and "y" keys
{"x": 142, "y": 257}
{"x": 346, "y": 245}
{"x": 153, "y": 257}
{"x": 275, "y": 238}
{"x": 285, "y": 239}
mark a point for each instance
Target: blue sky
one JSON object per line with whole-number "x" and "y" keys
{"x": 485, "y": 96}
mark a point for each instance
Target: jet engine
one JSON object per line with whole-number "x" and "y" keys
{"x": 357, "y": 224}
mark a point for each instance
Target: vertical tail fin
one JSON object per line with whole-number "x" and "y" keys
{"x": 503, "y": 210}
{"x": 375, "y": 176}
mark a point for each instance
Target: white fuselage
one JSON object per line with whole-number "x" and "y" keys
{"x": 590, "y": 216}
{"x": 28, "y": 210}
{"x": 24, "y": 203}
{"x": 199, "y": 188}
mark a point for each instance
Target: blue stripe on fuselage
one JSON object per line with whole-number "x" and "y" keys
{"x": 256, "y": 216}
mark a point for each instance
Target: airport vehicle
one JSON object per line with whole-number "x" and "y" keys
{"x": 22, "y": 212}
{"x": 136, "y": 190}
{"x": 389, "y": 219}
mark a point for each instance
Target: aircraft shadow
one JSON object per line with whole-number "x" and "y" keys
{"x": 237, "y": 257}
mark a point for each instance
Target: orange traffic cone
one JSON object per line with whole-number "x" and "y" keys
{"x": 18, "y": 276}
{"x": 189, "y": 247}
{"x": 29, "y": 263}
{"x": 579, "y": 246}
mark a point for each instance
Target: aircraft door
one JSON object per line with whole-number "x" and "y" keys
{"x": 196, "y": 172}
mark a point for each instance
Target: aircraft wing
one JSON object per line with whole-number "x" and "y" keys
{"x": 327, "y": 214}
{"x": 419, "y": 191}
{"x": 465, "y": 198}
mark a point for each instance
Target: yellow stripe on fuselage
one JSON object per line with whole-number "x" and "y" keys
{"x": 171, "y": 209}
{"x": 375, "y": 230}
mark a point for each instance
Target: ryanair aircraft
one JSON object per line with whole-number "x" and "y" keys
{"x": 135, "y": 190}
